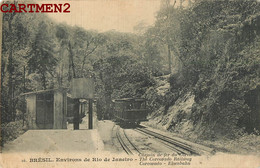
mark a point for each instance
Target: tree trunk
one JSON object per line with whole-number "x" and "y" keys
{"x": 2, "y": 63}
{"x": 181, "y": 2}
{"x": 10, "y": 69}
{"x": 189, "y": 3}
{"x": 84, "y": 59}
{"x": 169, "y": 59}
{"x": 44, "y": 81}
{"x": 60, "y": 73}
{"x": 72, "y": 61}
{"x": 180, "y": 62}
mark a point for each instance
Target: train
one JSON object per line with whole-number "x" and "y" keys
{"x": 130, "y": 110}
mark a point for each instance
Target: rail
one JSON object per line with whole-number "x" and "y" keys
{"x": 177, "y": 145}
{"x": 125, "y": 142}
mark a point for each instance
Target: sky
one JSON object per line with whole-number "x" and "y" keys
{"x": 105, "y": 15}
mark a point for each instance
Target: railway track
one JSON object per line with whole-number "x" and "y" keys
{"x": 178, "y": 146}
{"x": 125, "y": 142}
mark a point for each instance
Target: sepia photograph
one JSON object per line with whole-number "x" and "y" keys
{"x": 130, "y": 83}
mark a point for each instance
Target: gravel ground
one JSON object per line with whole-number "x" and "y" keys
{"x": 105, "y": 129}
{"x": 146, "y": 144}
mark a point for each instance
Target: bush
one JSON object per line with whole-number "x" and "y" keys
{"x": 11, "y": 131}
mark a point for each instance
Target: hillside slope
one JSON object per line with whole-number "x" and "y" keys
{"x": 215, "y": 98}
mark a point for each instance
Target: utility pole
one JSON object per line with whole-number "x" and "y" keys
{"x": 76, "y": 114}
{"x": 90, "y": 114}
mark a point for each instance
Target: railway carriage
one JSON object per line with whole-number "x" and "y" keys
{"x": 130, "y": 110}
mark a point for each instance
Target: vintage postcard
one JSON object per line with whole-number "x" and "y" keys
{"x": 130, "y": 83}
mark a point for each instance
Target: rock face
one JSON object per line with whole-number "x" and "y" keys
{"x": 215, "y": 107}
{"x": 168, "y": 115}
{"x": 176, "y": 117}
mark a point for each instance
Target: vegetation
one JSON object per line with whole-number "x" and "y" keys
{"x": 209, "y": 48}
{"x": 218, "y": 48}
{"x": 11, "y": 131}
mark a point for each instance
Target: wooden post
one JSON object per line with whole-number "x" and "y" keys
{"x": 90, "y": 114}
{"x": 76, "y": 115}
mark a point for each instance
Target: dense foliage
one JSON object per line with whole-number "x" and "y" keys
{"x": 52, "y": 54}
{"x": 217, "y": 45}
{"x": 209, "y": 47}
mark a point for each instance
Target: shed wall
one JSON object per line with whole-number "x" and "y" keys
{"x": 59, "y": 110}
{"x": 31, "y": 111}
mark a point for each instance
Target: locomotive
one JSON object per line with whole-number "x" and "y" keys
{"x": 130, "y": 110}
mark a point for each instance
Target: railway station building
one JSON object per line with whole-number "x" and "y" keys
{"x": 46, "y": 109}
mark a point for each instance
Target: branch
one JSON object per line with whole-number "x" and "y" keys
{"x": 84, "y": 59}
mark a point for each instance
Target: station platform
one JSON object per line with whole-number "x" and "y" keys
{"x": 47, "y": 141}
{"x": 58, "y": 140}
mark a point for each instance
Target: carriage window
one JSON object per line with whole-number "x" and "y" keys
{"x": 140, "y": 105}
{"x": 143, "y": 105}
{"x": 134, "y": 105}
{"x": 129, "y": 106}
{"x": 137, "y": 105}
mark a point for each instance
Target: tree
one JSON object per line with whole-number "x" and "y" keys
{"x": 7, "y": 65}
{"x": 62, "y": 36}
{"x": 41, "y": 58}
{"x": 84, "y": 44}
{"x": 167, "y": 30}
{"x": 10, "y": 68}
{"x": 152, "y": 55}
{"x": 16, "y": 37}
